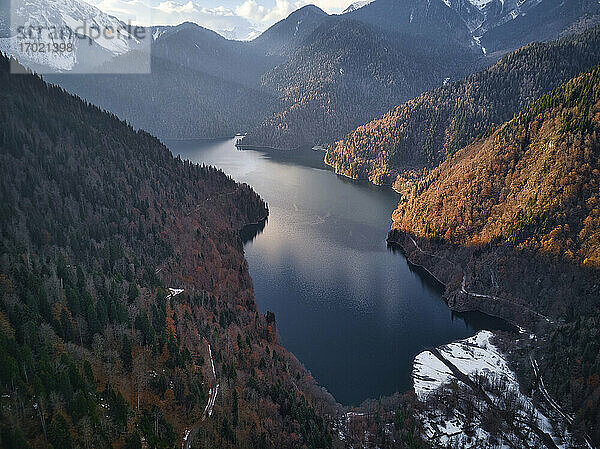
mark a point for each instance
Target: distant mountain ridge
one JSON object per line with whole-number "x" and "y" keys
{"x": 446, "y": 39}
{"x": 424, "y": 131}
{"x": 354, "y": 66}
{"x": 292, "y": 85}
{"x": 510, "y": 25}
{"x": 432, "y": 20}
{"x": 504, "y": 25}
{"x": 288, "y": 34}
{"x": 65, "y": 16}
{"x": 173, "y": 101}
{"x": 194, "y": 47}
{"x": 200, "y": 85}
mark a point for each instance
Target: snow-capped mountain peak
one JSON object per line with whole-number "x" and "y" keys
{"x": 357, "y": 5}
{"x": 66, "y": 35}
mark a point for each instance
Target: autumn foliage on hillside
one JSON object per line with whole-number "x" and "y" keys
{"x": 97, "y": 222}
{"x": 523, "y": 205}
{"x": 535, "y": 182}
{"x": 423, "y": 132}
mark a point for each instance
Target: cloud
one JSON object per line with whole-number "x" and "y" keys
{"x": 251, "y": 10}
{"x": 170, "y": 12}
{"x": 236, "y": 22}
{"x": 256, "y": 12}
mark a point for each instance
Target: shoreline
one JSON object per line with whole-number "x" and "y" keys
{"x": 459, "y": 300}
{"x": 339, "y": 173}
{"x": 264, "y": 148}
{"x": 402, "y": 249}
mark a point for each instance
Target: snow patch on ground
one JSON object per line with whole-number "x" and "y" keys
{"x": 62, "y": 61}
{"x": 480, "y": 4}
{"x": 473, "y": 356}
{"x": 174, "y": 292}
{"x": 429, "y": 373}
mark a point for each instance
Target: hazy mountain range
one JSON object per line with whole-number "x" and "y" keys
{"x": 303, "y": 81}
{"x": 423, "y": 132}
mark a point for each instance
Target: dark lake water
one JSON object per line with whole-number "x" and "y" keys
{"x": 353, "y": 311}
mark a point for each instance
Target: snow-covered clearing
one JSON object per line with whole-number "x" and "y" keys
{"x": 174, "y": 292}
{"x": 475, "y": 357}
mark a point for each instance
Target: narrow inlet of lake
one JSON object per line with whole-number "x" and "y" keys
{"x": 352, "y": 311}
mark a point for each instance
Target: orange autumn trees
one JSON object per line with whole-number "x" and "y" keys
{"x": 534, "y": 182}
{"x": 511, "y": 224}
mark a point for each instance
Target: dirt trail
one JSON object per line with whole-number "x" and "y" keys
{"x": 212, "y": 397}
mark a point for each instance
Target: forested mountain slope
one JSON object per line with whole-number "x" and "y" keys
{"x": 511, "y": 224}
{"x": 345, "y": 73}
{"x": 326, "y": 92}
{"x": 174, "y": 101}
{"x": 419, "y": 21}
{"x": 290, "y": 33}
{"x": 97, "y": 221}
{"x": 422, "y": 132}
{"x": 534, "y": 182}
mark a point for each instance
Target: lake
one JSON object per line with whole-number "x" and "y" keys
{"x": 354, "y": 312}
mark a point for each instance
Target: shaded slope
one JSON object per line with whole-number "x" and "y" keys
{"x": 344, "y": 74}
{"x": 545, "y": 20}
{"x": 432, "y": 20}
{"x": 193, "y": 47}
{"x": 173, "y": 101}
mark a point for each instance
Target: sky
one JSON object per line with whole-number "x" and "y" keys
{"x": 238, "y": 19}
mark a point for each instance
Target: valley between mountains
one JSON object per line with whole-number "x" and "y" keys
{"x": 128, "y": 316}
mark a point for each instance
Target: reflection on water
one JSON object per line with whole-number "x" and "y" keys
{"x": 250, "y": 232}
{"x": 354, "y": 312}
{"x": 474, "y": 320}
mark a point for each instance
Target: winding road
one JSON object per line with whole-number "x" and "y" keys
{"x": 555, "y": 405}
{"x": 213, "y": 391}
